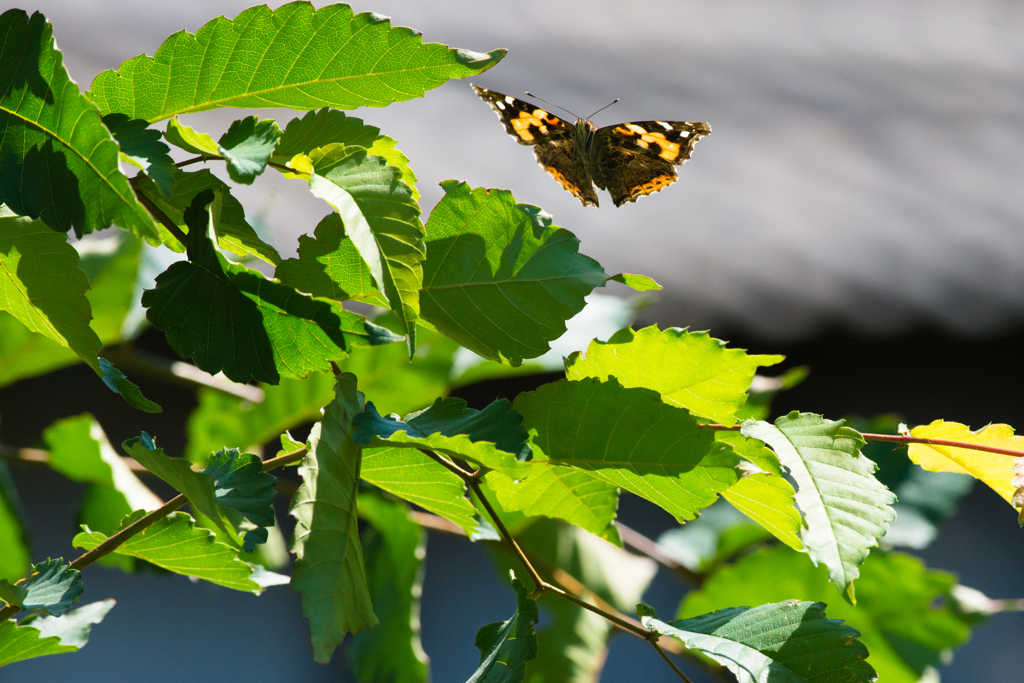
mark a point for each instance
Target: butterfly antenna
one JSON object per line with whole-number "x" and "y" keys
{"x": 553, "y": 105}
{"x": 603, "y": 108}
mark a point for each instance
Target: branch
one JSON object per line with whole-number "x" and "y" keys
{"x": 109, "y": 545}
{"x": 903, "y": 440}
{"x": 164, "y": 219}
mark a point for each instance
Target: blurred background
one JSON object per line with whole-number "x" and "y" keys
{"x": 858, "y": 208}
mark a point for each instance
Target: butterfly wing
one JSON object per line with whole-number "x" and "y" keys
{"x": 552, "y": 139}
{"x": 559, "y": 158}
{"x": 527, "y": 123}
{"x": 638, "y": 158}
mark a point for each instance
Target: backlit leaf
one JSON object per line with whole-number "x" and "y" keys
{"x": 293, "y": 56}
{"x": 499, "y": 278}
{"x": 247, "y": 146}
{"x": 177, "y": 545}
{"x": 691, "y": 370}
{"x": 630, "y": 438}
{"x": 50, "y": 635}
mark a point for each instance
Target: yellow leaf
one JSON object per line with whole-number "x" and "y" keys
{"x": 994, "y": 469}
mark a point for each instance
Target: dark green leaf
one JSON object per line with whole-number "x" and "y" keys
{"x": 394, "y": 548}
{"x": 50, "y": 635}
{"x": 119, "y": 384}
{"x": 499, "y": 278}
{"x": 328, "y": 568}
{"x": 492, "y": 437}
{"x": 329, "y": 265}
{"x": 143, "y": 148}
{"x": 845, "y": 508}
{"x": 900, "y": 604}
{"x": 59, "y": 162}
{"x": 632, "y": 439}
{"x": 233, "y": 232}
{"x": 247, "y": 147}
{"x": 243, "y": 486}
{"x": 786, "y": 642}
{"x": 52, "y": 588}
{"x": 202, "y": 303}
{"x": 175, "y": 544}
{"x": 506, "y": 646}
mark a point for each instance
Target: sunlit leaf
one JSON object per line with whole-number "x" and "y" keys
{"x": 499, "y": 278}
{"x": 689, "y": 369}
{"x": 52, "y": 588}
{"x": 630, "y": 438}
{"x": 60, "y": 163}
{"x": 293, "y": 56}
{"x": 50, "y": 635}
{"x": 174, "y": 543}
{"x": 785, "y": 642}
{"x": 845, "y": 508}
{"x": 247, "y": 146}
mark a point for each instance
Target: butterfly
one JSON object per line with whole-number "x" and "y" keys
{"x": 629, "y": 160}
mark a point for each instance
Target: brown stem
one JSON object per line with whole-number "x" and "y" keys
{"x": 903, "y": 439}
{"x": 164, "y": 219}
{"x": 540, "y": 584}
{"x": 670, "y": 662}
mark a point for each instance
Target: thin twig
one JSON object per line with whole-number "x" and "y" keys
{"x": 149, "y": 519}
{"x": 539, "y": 582}
{"x": 195, "y": 160}
{"x": 903, "y": 439}
{"x": 164, "y": 219}
{"x": 670, "y": 662}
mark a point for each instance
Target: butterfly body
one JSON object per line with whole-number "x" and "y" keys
{"x": 629, "y": 160}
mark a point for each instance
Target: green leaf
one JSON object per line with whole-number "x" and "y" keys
{"x": 175, "y": 544}
{"x": 506, "y": 646}
{"x": 691, "y": 370}
{"x": 50, "y": 635}
{"x": 79, "y": 450}
{"x": 492, "y": 437}
{"x": 190, "y": 140}
{"x": 326, "y": 127}
{"x": 119, "y": 384}
{"x": 499, "y": 278}
{"x": 415, "y": 477}
{"x": 639, "y": 283}
{"x": 632, "y": 439}
{"x": 202, "y": 302}
{"x": 561, "y": 493}
{"x": 14, "y": 561}
{"x": 243, "y": 486}
{"x": 785, "y": 642}
{"x": 328, "y": 568}
{"x": 233, "y": 232}
{"x": 294, "y": 57}
{"x": 247, "y": 147}
{"x": 845, "y": 508}
{"x": 903, "y": 612}
{"x": 764, "y": 496}
{"x": 111, "y": 264}
{"x": 329, "y": 265}
{"x": 51, "y": 588}
{"x": 143, "y": 148}
{"x": 60, "y": 163}
{"x": 381, "y": 219}
{"x": 575, "y": 640}
{"x": 394, "y": 548}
